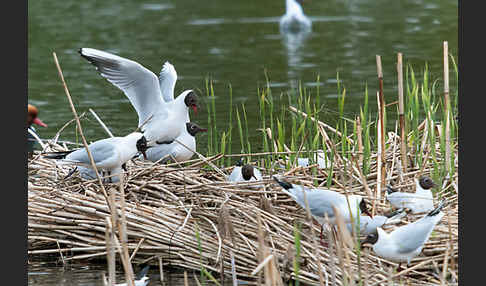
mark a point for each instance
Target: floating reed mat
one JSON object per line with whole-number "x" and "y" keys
{"x": 190, "y": 216}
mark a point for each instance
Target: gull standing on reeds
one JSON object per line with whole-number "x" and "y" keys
{"x": 294, "y": 18}
{"x": 406, "y": 242}
{"x": 321, "y": 202}
{"x": 165, "y": 120}
{"x": 108, "y": 154}
{"x": 420, "y": 201}
{"x": 368, "y": 225}
{"x": 245, "y": 173}
{"x": 32, "y": 113}
{"x": 176, "y": 151}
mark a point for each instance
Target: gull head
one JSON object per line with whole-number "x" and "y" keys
{"x": 190, "y": 99}
{"x": 363, "y": 207}
{"x": 247, "y": 172}
{"x": 372, "y": 238}
{"x": 142, "y": 146}
{"x": 426, "y": 183}
{"x": 193, "y": 128}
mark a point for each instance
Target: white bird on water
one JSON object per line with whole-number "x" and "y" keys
{"x": 174, "y": 150}
{"x": 368, "y": 225}
{"x": 294, "y": 18}
{"x": 321, "y": 202}
{"x": 143, "y": 89}
{"x": 245, "y": 173}
{"x": 109, "y": 154}
{"x": 406, "y": 242}
{"x": 420, "y": 201}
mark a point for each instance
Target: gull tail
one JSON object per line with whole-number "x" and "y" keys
{"x": 57, "y": 155}
{"x": 437, "y": 209}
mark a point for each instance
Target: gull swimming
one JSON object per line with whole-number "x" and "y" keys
{"x": 420, "y": 201}
{"x": 406, "y": 242}
{"x": 165, "y": 120}
{"x": 108, "y": 154}
{"x": 294, "y": 18}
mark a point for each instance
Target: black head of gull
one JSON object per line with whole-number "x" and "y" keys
{"x": 426, "y": 183}
{"x": 247, "y": 172}
{"x": 371, "y": 238}
{"x": 193, "y": 128}
{"x": 363, "y": 207}
{"x": 142, "y": 146}
{"x": 191, "y": 101}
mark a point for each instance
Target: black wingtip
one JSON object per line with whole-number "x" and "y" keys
{"x": 390, "y": 190}
{"x": 437, "y": 209}
{"x": 57, "y": 155}
{"x": 283, "y": 184}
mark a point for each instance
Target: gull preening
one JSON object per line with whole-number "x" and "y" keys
{"x": 174, "y": 150}
{"x": 162, "y": 121}
{"x": 294, "y": 18}
{"x": 245, "y": 173}
{"x": 108, "y": 154}
{"x": 406, "y": 242}
{"x": 369, "y": 225}
{"x": 420, "y": 201}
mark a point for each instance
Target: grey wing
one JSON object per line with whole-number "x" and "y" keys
{"x": 160, "y": 151}
{"x": 139, "y": 84}
{"x": 167, "y": 81}
{"x": 103, "y": 152}
{"x": 318, "y": 204}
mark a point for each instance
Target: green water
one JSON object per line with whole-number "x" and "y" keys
{"x": 230, "y": 42}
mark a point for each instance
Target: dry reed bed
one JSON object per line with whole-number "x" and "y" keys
{"x": 167, "y": 204}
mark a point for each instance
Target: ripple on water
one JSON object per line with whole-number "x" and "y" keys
{"x": 156, "y": 6}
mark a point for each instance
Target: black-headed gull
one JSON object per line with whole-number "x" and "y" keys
{"x": 174, "y": 150}
{"x": 142, "y": 87}
{"x": 245, "y": 173}
{"x": 109, "y": 154}
{"x": 420, "y": 201}
{"x": 369, "y": 224}
{"x": 406, "y": 242}
{"x": 294, "y": 18}
{"x": 141, "y": 279}
{"x": 167, "y": 79}
{"x": 321, "y": 202}
{"x": 32, "y": 118}
{"x": 319, "y": 158}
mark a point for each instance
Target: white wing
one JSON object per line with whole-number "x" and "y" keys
{"x": 139, "y": 84}
{"x": 167, "y": 81}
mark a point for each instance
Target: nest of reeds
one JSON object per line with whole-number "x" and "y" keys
{"x": 190, "y": 216}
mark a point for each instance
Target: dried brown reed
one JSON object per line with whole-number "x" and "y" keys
{"x": 166, "y": 204}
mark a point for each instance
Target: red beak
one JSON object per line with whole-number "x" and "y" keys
{"x": 39, "y": 122}
{"x": 203, "y": 130}
{"x": 194, "y": 107}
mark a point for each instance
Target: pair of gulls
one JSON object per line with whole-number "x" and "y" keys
{"x": 163, "y": 120}
{"x": 402, "y": 244}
